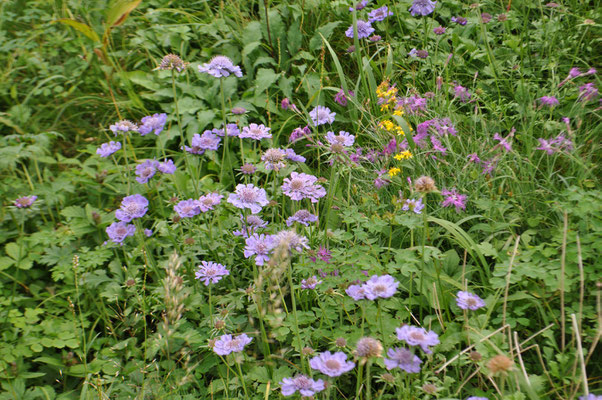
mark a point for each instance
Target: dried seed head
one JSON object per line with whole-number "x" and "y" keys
{"x": 307, "y": 351}
{"x": 172, "y": 62}
{"x": 189, "y": 240}
{"x": 429, "y": 388}
{"x": 340, "y": 342}
{"x": 130, "y": 282}
{"x": 368, "y": 347}
{"x": 219, "y": 324}
{"x": 388, "y": 378}
{"x": 475, "y": 356}
{"x": 425, "y": 184}
{"x": 500, "y": 364}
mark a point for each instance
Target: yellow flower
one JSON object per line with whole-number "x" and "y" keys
{"x": 398, "y": 111}
{"x": 404, "y": 155}
{"x": 394, "y": 171}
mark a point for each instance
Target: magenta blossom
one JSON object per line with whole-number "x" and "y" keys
{"x": 453, "y": 198}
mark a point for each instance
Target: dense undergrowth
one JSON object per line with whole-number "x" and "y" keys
{"x": 364, "y": 188}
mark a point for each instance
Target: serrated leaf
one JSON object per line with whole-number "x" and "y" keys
{"x": 13, "y": 251}
{"x": 264, "y": 79}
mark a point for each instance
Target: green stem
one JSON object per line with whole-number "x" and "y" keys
{"x": 294, "y": 306}
{"x": 242, "y": 379}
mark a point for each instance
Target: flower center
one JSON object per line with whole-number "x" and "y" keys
{"x": 333, "y": 364}
{"x": 380, "y": 288}
{"x": 302, "y": 382}
{"x": 247, "y": 195}
{"x": 296, "y": 184}
{"x": 418, "y": 336}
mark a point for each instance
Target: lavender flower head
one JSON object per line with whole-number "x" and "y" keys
{"x": 356, "y": 292}
{"x": 591, "y": 396}
{"x": 148, "y": 232}
{"x": 106, "y": 149}
{"x": 299, "y": 133}
{"x": 469, "y": 301}
{"x": 453, "y": 198}
{"x": 379, "y": 14}
{"x": 291, "y": 155}
{"x": 462, "y": 93}
{"x": 359, "y": 6}
{"x": 209, "y": 201}
{"x": 226, "y": 344}
{"x": 134, "y": 206}
{"x": 248, "y": 196}
{"x": 257, "y": 132}
{"x": 200, "y": 143}
{"x": 485, "y": 398}
{"x": 331, "y": 364}
{"x": 305, "y": 386}
{"x": 415, "y": 336}
{"x": 259, "y": 246}
{"x": 301, "y": 186}
{"x": 210, "y": 272}
{"x": 303, "y": 217}
{"x": 231, "y": 128}
{"x": 422, "y": 7}
{"x": 380, "y": 287}
{"x": 172, "y": 62}
{"x": 342, "y": 139}
{"x": 154, "y": 123}
{"x": 321, "y": 115}
{"x": 273, "y": 159}
{"x": 364, "y": 30}
{"x": 440, "y": 30}
{"x": 310, "y": 283}
{"x": 188, "y": 208}
{"x": 25, "y": 201}
{"x": 341, "y": 97}
{"x": 118, "y": 231}
{"x": 146, "y": 170}
{"x": 459, "y": 20}
{"x": 404, "y": 359}
{"x": 220, "y": 66}
{"x": 123, "y": 126}
{"x": 413, "y": 205}
{"x": 549, "y": 101}
{"x": 250, "y": 225}
{"x": 167, "y": 167}
{"x": 238, "y": 110}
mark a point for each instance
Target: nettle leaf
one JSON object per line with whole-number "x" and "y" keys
{"x": 264, "y": 79}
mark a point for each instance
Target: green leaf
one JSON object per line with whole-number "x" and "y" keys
{"x": 12, "y": 249}
{"x": 119, "y": 11}
{"x": 80, "y": 27}
{"x": 264, "y": 79}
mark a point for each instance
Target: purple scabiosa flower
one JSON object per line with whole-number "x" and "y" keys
{"x": 167, "y": 167}
{"x": 360, "y": 6}
{"x": 588, "y": 92}
{"x": 310, "y": 283}
{"x": 188, "y": 208}
{"x": 172, "y": 62}
{"x": 273, "y": 159}
{"x": 379, "y": 14}
{"x": 209, "y": 201}
{"x": 201, "y": 143}
{"x": 342, "y": 139}
{"x": 123, "y": 126}
{"x": 148, "y": 232}
{"x": 380, "y": 287}
{"x": 415, "y": 336}
{"x": 238, "y": 110}
{"x": 459, "y": 20}
{"x": 422, "y": 7}
{"x": 486, "y": 18}
{"x": 331, "y": 364}
{"x": 248, "y": 169}
{"x": 259, "y": 246}
{"x": 226, "y": 344}
{"x": 220, "y": 66}
{"x": 453, "y": 198}
{"x": 291, "y": 155}
{"x": 440, "y": 30}
{"x": 257, "y": 132}
{"x": 134, "y": 206}
{"x": 250, "y": 225}
{"x": 549, "y": 101}
{"x": 301, "y": 186}
{"x": 413, "y": 53}
{"x": 356, "y": 292}
{"x": 146, "y": 170}
{"x": 341, "y": 97}
{"x": 153, "y": 123}
{"x": 485, "y": 398}
{"x": 303, "y": 217}
{"x": 462, "y": 93}
{"x": 299, "y": 133}
{"x": 502, "y": 142}
{"x": 25, "y": 201}
{"x": 118, "y": 231}
{"x": 413, "y": 105}
{"x": 321, "y": 115}
{"x": 248, "y": 196}
{"x": 231, "y": 128}
{"x": 305, "y": 386}
{"x": 591, "y": 396}
{"x": 469, "y": 301}
{"x": 413, "y": 205}
{"x": 364, "y": 29}
{"x": 210, "y": 272}
{"x": 106, "y": 149}
{"x": 422, "y": 54}
{"x": 323, "y": 254}
{"x": 291, "y": 240}
{"x": 400, "y": 357}
{"x": 373, "y": 38}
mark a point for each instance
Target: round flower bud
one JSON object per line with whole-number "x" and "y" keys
{"x": 368, "y": 347}
{"x": 425, "y": 184}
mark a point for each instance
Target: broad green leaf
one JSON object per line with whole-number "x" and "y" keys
{"x": 265, "y": 78}
{"x": 119, "y": 11}
{"x": 80, "y": 27}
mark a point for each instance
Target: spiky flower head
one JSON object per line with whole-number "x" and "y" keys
{"x": 500, "y": 364}
{"x": 172, "y": 62}
{"x": 368, "y": 347}
{"x": 425, "y": 184}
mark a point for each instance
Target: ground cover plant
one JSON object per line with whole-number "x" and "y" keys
{"x": 318, "y": 199}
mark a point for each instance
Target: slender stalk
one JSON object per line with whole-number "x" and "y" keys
{"x": 242, "y": 380}
{"x": 294, "y": 307}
